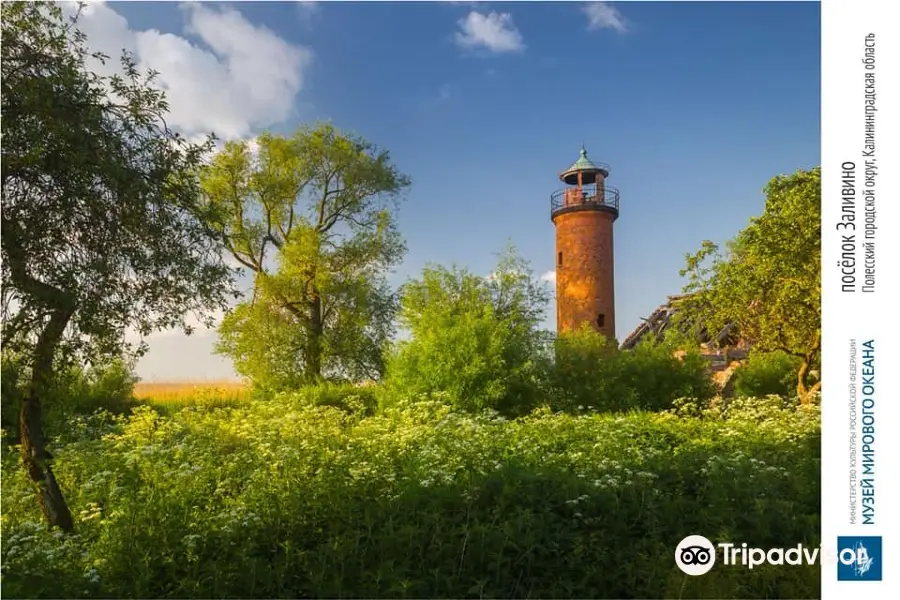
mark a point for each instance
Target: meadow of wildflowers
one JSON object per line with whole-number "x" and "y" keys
{"x": 172, "y": 397}
{"x": 282, "y": 499}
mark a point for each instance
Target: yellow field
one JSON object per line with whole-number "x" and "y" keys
{"x": 180, "y": 394}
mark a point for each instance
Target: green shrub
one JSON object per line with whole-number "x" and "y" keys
{"x": 275, "y": 499}
{"x": 590, "y": 373}
{"x": 475, "y": 341}
{"x": 767, "y": 373}
{"x": 108, "y": 387}
{"x": 12, "y": 374}
{"x": 350, "y": 398}
{"x": 475, "y": 365}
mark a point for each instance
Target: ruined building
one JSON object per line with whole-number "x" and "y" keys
{"x": 723, "y": 349}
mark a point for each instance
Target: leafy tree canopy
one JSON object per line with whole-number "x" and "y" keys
{"x": 102, "y": 221}
{"x": 310, "y": 216}
{"x": 767, "y": 280}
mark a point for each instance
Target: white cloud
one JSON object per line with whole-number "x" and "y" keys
{"x": 229, "y": 77}
{"x": 494, "y": 32}
{"x": 603, "y": 15}
{"x": 307, "y": 9}
{"x": 221, "y": 74}
{"x": 549, "y": 276}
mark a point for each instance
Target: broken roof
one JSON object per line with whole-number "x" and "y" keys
{"x": 661, "y": 320}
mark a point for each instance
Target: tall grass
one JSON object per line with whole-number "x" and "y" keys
{"x": 281, "y": 498}
{"x": 170, "y": 397}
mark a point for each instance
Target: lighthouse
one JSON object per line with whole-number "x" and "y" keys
{"x": 584, "y": 212}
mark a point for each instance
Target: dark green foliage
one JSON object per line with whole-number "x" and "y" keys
{"x": 278, "y": 500}
{"x": 768, "y": 373}
{"x": 102, "y": 217}
{"x": 590, "y": 373}
{"x": 107, "y": 386}
{"x": 102, "y": 225}
{"x": 350, "y": 398}
{"x": 12, "y": 382}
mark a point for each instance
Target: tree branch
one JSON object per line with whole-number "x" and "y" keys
{"x": 52, "y": 298}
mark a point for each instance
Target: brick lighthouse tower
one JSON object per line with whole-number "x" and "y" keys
{"x": 583, "y": 214}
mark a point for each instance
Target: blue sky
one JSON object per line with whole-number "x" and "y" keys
{"x": 694, "y": 105}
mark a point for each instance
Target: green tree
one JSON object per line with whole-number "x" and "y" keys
{"x": 590, "y": 372}
{"x": 102, "y": 223}
{"x": 475, "y": 338}
{"x": 767, "y": 282}
{"x": 310, "y": 217}
{"x": 767, "y": 373}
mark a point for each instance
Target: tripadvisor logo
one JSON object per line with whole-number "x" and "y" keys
{"x": 696, "y": 555}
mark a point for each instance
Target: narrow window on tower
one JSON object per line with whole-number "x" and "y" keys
{"x": 559, "y": 259}
{"x": 601, "y": 319}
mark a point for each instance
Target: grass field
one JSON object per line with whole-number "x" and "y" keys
{"x": 282, "y": 499}
{"x": 171, "y": 396}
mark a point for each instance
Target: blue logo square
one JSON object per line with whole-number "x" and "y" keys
{"x": 859, "y": 558}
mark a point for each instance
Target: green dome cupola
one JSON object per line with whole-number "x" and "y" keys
{"x": 591, "y": 172}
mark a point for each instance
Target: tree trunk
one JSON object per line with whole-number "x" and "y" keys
{"x": 60, "y": 306}
{"x": 801, "y": 380}
{"x": 804, "y": 393}
{"x": 314, "y": 341}
{"x": 37, "y": 460}
{"x": 810, "y": 392}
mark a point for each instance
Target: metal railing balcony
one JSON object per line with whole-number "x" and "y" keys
{"x": 589, "y": 197}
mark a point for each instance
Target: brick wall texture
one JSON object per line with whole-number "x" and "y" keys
{"x": 584, "y": 271}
